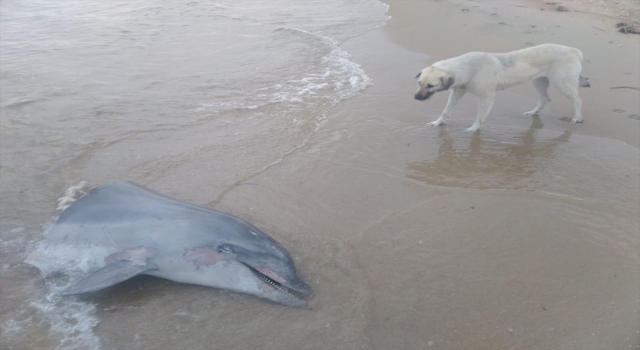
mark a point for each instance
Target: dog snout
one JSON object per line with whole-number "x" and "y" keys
{"x": 421, "y": 97}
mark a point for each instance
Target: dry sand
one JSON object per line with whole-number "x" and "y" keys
{"x": 625, "y": 11}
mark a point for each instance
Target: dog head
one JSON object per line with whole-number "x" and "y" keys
{"x": 431, "y": 80}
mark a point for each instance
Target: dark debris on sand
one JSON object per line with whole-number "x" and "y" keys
{"x": 626, "y": 28}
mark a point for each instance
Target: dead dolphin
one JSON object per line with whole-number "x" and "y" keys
{"x": 120, "y": 230}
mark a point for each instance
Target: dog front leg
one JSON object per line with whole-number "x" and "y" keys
{"x": 454, "y": 97}
{"x": 484, "y": 106}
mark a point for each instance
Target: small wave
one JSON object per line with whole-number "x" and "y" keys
{"x": 311, "y": 85}
{"x": 339, "y": 78}
{"x": 73, "y": 321}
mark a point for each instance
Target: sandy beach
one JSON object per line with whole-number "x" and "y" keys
{"x": 525, "y": 235}
{"x": 473, "y": 241}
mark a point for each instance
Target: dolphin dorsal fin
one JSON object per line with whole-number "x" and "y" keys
{"x": 107, "y": 276}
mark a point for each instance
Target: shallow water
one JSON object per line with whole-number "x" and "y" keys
{"x": 412, "y": 237}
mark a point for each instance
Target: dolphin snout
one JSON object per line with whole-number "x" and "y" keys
{"x": 299, "y": 286}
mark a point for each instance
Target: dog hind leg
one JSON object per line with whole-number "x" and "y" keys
{"x": 568, "y": 85}
{"x": 541, "y": 84}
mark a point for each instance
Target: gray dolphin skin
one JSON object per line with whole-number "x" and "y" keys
{"x": 120, "y": 230}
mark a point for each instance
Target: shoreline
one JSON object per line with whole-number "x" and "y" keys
{"x": 520, "y": 236}
{"x": 469, "y": 240}
{"x": 445, "y": 239}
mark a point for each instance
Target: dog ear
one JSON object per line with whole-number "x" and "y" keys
{"x": 418, "y": 76}
{"x": 446, "y": 85}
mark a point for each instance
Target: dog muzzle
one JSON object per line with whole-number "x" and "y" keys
{"x": 423, "y": 97}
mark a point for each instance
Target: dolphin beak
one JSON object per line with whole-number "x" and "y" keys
{"x": 299, "y": 286}
{"x": 288, "y": 290}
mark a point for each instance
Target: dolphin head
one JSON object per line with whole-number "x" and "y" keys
{"x": 244, "y": 259}
{"x": 273, "y": 272}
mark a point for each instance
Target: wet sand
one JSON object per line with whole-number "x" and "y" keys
{"x": 522, "y": 236}
{"x": 611, "y": 58}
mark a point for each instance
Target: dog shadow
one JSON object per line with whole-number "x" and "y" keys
{"x": 484, "y": 161}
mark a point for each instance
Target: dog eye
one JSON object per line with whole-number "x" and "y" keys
{"x": 429, "y": 86}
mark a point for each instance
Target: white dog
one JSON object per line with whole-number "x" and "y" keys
{"x": 482, "y": 74}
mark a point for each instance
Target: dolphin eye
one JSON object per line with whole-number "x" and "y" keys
{"x": 429, "y": 86}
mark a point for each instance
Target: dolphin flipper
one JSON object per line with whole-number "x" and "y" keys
{"x": 107, "y": 276}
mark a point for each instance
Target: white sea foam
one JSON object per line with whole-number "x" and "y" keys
{"x": 54, "y": 258}
{"x": 73, "y": 321}
{"x": 70, "y": 322}
{"x": 339, "y": 79}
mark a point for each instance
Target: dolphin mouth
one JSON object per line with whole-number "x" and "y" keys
{"x": 300, "y": 294}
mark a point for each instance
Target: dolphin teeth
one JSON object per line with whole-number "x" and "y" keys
{"x": 278, "y": 286}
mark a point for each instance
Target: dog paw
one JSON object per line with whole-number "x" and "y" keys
{"x": 531, "y": 113}
{"x": 436, "y": 123}
{"x": 576, "y": 120}
{"x": 472, "y": 129}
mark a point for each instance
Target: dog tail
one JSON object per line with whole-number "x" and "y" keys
{"x": 583, "y": 82}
